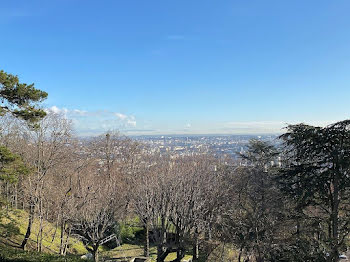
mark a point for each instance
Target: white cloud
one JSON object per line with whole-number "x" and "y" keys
{"x": 56, "y": 110}
{"x": 95, "y": 122}
{"x": 121, "y": 116}
{"x": 79, "y": 112}
{"x": 131, "y": 122}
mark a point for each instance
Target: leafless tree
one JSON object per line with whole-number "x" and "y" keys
{"x": 170, "y": 199}
{"x": 45, "y": 153}
{"x": 100, "y": 191}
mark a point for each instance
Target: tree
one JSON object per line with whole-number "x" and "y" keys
{"x": 316, "y": 176}
{"x": 253, "y": 222}
{"x": 94, "y": 210}
{"x": 170, "y": 196}
{"x": 197, "y": 201}
{"x": 20, "y": 99}
{"x": 46, "y": 152}
{"x": 11, "y": 166}
{"x": 143, "y": 181}
{"x": 99, "y": 195}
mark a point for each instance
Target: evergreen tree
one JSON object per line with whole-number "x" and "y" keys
{"x": 20, "y": 99}
{"x": 11, "y": 166}
{"x": 316, "y": 176}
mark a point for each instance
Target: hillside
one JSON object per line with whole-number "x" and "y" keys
{"x": 12, "y": 230}
{"x": 16, "y": 228}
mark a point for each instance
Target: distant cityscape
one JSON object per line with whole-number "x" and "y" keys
{"x": 218, "y": 145}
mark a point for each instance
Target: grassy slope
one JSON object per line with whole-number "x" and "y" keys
{"x": 8, "y": 254}
{"x": 51, "y": 243}
{"x": 51, "y": 235}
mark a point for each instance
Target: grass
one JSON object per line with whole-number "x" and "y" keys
{"x": 51, "y": 234}
{"x": 126, "y": 251}
{"x": 8, "y": 254}
{"x": 17, "y": 221}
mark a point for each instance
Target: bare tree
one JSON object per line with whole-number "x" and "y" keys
{"x": 100, "y": 191}
{"x": 45, "y": 153}
{"x": 169, "y": 197}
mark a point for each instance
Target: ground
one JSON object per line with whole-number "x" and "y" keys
{"x": 9, "y": 244}
{"x": 127, "y": 251}
{"x": 51, "y": 235}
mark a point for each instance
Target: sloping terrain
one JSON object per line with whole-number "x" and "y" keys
{"x": 14, "y": 228}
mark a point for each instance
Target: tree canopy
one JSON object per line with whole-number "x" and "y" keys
{"x": 316, "y": 176}
{"x": 20, "y": 99}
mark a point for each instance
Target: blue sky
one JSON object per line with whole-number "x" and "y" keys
{"x": 182, "y": 66}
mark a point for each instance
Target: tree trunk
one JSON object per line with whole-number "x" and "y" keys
{"x": 195, "y": 247}
{"x": 62, "y": 237}
{"x": 334, "y": 219}
{"x": 40, "y": 232}
{"x": 162, "y": 253}
{"x": 66, "y": 242}
{"x": 180, "y": 254}
{"x": 8, "y": 200}
{"x": 40, "y": 235}
{"x": 29, "y": 228}
{"x": 146, "y": 247}
{"x": 16, "y": 197}
{"x": 240, "y": 255}
{"x": 260, "y": 259}
{"x": 95, "y": 253}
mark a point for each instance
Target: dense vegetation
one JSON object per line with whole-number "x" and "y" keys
{"x": 276, "y": 204}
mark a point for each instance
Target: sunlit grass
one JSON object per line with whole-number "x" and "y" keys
{"x": 51, "y": 243}
{"x": 51, "y": 234}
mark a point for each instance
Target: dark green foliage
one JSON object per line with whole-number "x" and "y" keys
{"x": 254, "y": 222}
{"x": 130, "y": 233}
{"x": 316, "y": 156}
{"x": 316, "y": 177}
{"x": 20, "y": 99}
{"x": 259, "y": 153}
{"x": 301, "y": 250}
{"x": 11, "y": 166}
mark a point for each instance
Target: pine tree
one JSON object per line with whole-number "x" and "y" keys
{"x": 316, "y": 176}
{"x": 20, "y": 99}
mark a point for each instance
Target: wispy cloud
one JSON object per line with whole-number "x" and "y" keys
{"x": 96, "y": 122}
{"x": 187, "y": 126}
{"x": 121, "y": 116}
{"x": 265, "y": 126}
